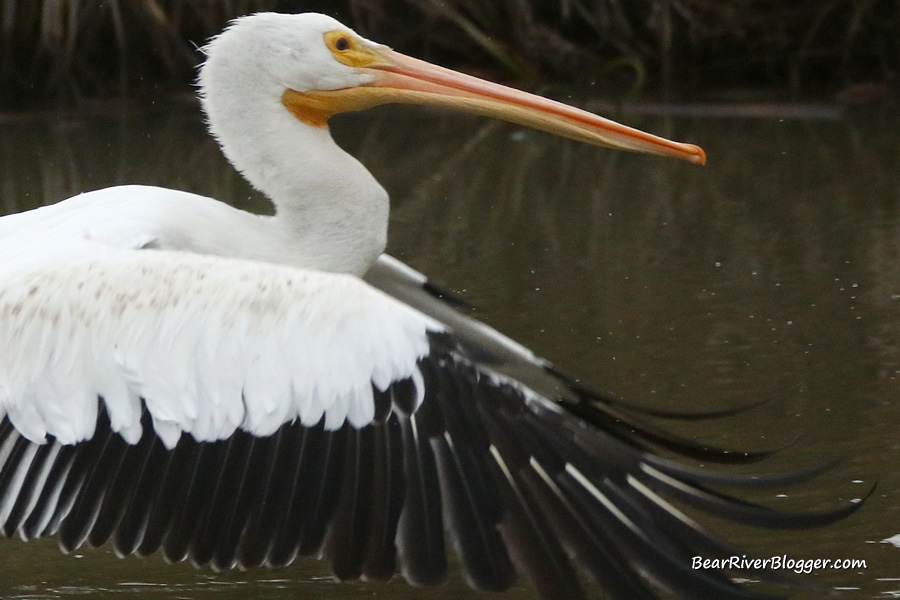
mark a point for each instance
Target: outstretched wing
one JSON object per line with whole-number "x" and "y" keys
{"x": 237, "y": 413}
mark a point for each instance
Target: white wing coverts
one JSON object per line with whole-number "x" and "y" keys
{"x": 210, "y": 344}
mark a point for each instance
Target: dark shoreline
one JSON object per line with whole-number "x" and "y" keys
{"x": 68, "y": 53}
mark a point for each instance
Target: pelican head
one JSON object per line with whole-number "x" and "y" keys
{"x": 272, "y": 81}
{"x": 319, "y": 67}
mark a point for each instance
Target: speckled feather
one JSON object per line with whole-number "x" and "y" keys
{"x": 210, "y": 344}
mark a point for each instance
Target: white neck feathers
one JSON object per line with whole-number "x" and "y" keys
{"x": 334, "y": 210}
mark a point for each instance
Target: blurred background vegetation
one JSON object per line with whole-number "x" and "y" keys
{"x": 72, "y": 51}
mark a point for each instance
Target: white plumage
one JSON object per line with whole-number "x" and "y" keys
{"x": 210, "y": 343}
{"x": 183, "y": 376}
{"x": 208, "y": 338}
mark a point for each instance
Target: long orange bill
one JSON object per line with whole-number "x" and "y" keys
{"x": 400, "y": 78}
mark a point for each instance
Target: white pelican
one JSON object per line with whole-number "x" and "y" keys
{"x": 237, "y": 389}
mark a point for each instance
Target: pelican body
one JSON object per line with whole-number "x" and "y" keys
{"x": 237, "y": 389}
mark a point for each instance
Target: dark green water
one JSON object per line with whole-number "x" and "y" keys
{"x": 772, "y": 273}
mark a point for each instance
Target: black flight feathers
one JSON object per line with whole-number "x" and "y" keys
{"x": 515, "y": 482}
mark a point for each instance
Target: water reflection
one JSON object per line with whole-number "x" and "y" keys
{"x": 774, "y": 273}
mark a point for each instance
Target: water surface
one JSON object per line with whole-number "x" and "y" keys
{"x": 772, "y": 273}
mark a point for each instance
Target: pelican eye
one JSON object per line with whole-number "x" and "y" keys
{"x": 340, "y": 40}
{"x": 349, "y": 50}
